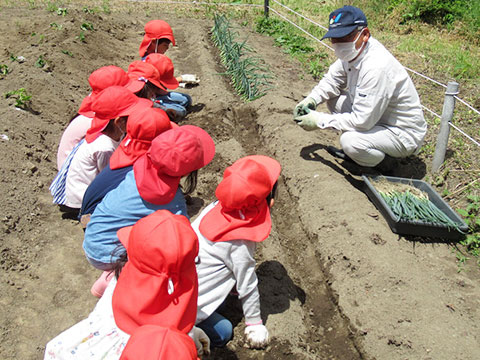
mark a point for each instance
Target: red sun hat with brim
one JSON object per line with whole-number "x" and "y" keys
{"x": 165, "y": 67}
{"x": 142, "y": 127}
{"x": 113, "y": 102}
{"x": 158, "y": 285}
{"x": 152, "y": 342}
{"x": 242, "y": 212}
{"x": 172, "y": 155}
{"x": 142, "y": 72}
{"x": 102, "y": 78}
{"x": 155, "y": 29}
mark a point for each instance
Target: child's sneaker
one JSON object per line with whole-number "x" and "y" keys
{"x": 101, "y": 284}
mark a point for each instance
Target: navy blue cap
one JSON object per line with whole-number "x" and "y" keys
{"x": 343, "y": 21}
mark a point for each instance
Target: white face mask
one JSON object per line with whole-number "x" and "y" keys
{"x": 347, "y": 51}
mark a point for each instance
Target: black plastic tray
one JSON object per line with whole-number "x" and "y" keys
{"x": 417, "y": 228}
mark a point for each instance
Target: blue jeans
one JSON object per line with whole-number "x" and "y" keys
{"x": 218, "y": 329}
{"x": 176, "y": 101}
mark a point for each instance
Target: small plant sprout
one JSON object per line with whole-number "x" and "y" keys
{"x": 62, "y": 11}
{"x": 86, "y": 10}
{"x": 4, "y": 70}
{"x": 81, "y": 36}
{"x": 12, "y": 57}
{"x": 22, "y": 98}
{"x": 86, "y": 26}
{"x": 40, "y": 63}
{"x": 55, "y": 26}
{"x": 67, "y": 52}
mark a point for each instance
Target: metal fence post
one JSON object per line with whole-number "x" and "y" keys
{"x": 447, "y": 115}
{"x": 266, "y": 6}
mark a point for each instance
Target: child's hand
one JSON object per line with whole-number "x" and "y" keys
{"x": 202, "y": 342}
{"x": 257, "y": 336}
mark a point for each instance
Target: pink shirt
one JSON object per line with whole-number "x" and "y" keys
{"x": 88, "y": 161}
{"x": 74, "y": 132}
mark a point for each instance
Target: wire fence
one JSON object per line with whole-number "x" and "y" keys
{"x": 282, "y": 16}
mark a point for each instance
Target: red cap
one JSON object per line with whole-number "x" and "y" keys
{"x": 151, "y": 342}
{"x": 173, "y": 154}
{"x": 111, "y": 103}
{"x": 142, "y": 72}
{"x": 102, "y": 78}
{"x": 155, "y": 29}
{"x": 165, "y": 67}
{"x": 142, "y": 127}
{"x": 158, "y": 284}
{"x": 242, "y": 211}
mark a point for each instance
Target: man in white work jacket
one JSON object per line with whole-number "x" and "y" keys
{"x": 372, "y": 100}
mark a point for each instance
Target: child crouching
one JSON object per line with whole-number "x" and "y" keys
{"x": 228, "y": 231}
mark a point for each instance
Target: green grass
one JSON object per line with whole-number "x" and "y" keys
{"x": 458, "y": 59}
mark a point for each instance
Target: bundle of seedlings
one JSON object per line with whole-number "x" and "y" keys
{"x": 248, "y": 76}
{"x": 410, "y": 204}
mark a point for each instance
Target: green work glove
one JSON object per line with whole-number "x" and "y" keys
{"x": 317, "y": 120}
{"x": 303, "y": 106}
{"x": 308, "y": 122}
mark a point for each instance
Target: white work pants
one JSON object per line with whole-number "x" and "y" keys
{"x": 367, "y": 148}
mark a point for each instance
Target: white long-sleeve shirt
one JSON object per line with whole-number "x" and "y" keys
{"x": 381, "y": 93}
{"x": 220, "y": 266}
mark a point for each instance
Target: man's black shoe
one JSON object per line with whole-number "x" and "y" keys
{"x": 339, "y": 153}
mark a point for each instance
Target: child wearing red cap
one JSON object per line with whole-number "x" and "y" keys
{"x": 157, "y": 39}
{"x": 99, "y": 80}
{"x": 142, "y": 127}
{"x": 228, "y": 231}
{"x": 177, "y": 101}
{"x": 153, "y": 184}
{"x": 112, "y": 107}
{"x": 156, "y": 287}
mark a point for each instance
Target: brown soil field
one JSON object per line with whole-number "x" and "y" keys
{"x": 335, "y": 282}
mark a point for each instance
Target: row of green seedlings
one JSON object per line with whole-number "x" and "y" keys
{"x": 413, "y": 205}
{"x": 249, "y": 78}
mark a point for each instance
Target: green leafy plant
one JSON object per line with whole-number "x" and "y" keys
{"x": 62, "y": 11}
{"x": 12, "y": 57}
{"x": 40, "y": 63}
{"x": 471, "y": 215}
{"x": 87, "y": 10}
{"x": 81, "y": 36}
{"x": 22, "y": 98}
{"x": 67, "y": 52}
{"x": 86, "y": 26}
{"x": 4, "y": 70}
{"x": 55, "y": 26}
{"x": 106, "y": 6}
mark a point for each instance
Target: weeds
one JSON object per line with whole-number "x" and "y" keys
{"x": 248, "y": 77}
{"x": 81, "y": 36}
{"x": 471, "y": 214}
{"x": 4, "y": 70}
{"x": 40, "y": 63}
{"x": 86, "y": 26}
{"x": 62, "y": 11}
{"x": 22, "y": 98}
{"x": 286, "y": 37}
{"x": 55, "y": 26}
{"x": 106, "y": 6}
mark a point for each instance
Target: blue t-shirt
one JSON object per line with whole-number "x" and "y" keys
{"x": 107, "y": 180}
{"x": 121, "y": 207}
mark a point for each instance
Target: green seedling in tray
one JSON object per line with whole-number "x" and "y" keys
{"x": 413, "y": 205}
